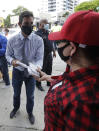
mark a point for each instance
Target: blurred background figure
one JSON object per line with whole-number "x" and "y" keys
{"x": 6, "y": 32}
{"x": 34, "y": 28}
{"x": 56, "y": 27}
{"x": 43, "y": 32}
{"x": 3, "y": 61}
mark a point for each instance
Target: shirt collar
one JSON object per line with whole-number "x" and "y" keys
{"x": 22, "y": 37}
{"x": 78, "y": 73}
{"x": 82, "y": 73}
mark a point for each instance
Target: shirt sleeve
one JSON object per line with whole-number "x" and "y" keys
{"x": 39, "y": 53}
{"x": 3, "y": 46}
{"x": 9, "y": 52}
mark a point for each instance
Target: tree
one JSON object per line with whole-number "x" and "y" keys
{"x": 1, "y": 22}
{"x": 66, "y": 14}
{"x": 90, "y": 5}
{"x": 7, "y": 22}
{"x": 18, "y": 10}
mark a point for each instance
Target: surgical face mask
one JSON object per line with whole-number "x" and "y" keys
{"x": 26, "y": 29}
{"x": 46, "y": 26}
{"x": 60, "y": 52}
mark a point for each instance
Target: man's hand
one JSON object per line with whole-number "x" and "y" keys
{"x": 14, "y": 63}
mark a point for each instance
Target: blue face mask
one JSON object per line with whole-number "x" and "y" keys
{"x": 46, "y": 26}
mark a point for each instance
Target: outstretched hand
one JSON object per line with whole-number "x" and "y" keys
{"x": 43, "y": 76}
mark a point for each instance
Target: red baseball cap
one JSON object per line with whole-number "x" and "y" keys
{"x": 81, "y": 27}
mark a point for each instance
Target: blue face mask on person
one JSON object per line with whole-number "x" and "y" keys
{"x": 46, "y": 26}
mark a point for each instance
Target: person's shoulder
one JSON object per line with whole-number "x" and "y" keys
{"x": 14, "y": 38}
{"x": 3, "y": 37}
{"x": 39, "y": 32}
{"x": 36, "y": 37}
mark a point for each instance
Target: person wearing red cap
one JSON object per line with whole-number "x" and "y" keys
{"x": 72, "y": 102}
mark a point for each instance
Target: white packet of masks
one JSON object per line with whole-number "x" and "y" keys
{"x": 32, "y": 69}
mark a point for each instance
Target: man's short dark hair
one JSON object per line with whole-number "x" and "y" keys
{"x": 43, "y": 21}
{"x": 6, "y": 29}
{"x": 25, "y": 14}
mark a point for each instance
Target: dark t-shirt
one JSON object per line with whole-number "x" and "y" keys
{"x": 48, "y": 45}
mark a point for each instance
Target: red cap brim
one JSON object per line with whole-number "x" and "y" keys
{"x": 55, "y": 36}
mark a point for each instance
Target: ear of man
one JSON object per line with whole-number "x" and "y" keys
{"x": 73, "y": 48}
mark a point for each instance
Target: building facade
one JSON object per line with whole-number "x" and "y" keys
{"x": 56, "y": 7}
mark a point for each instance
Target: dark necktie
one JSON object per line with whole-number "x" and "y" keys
{"x": 24, "y": 57}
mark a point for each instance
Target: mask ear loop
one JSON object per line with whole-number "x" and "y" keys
{"x": 82, "y": 45}
{"x": 64, "y": 41}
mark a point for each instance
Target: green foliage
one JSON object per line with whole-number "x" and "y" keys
{"x": 65, "y": 14}
{"x": 18, "y": 10}
{"x": 90, "y": 5}
{"x": 7, "y": 22}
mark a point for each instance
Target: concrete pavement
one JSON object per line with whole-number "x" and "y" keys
{"x": 20, "y": 122}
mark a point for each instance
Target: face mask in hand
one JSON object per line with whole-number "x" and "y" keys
{"x": 60, "y": 52}
{"x": 27, "y": 29}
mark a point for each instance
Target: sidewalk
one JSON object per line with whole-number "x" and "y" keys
{"x": 20, "y": 122}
